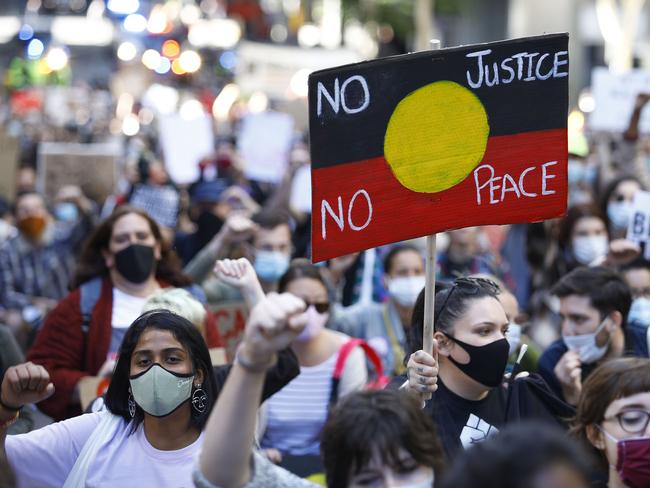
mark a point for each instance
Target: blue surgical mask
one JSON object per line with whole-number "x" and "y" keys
{"x": 271, "y": 265}
{"x": 66, "y": 212}
{"x": 619, "y": 213}
{"x": 640, "y": 312}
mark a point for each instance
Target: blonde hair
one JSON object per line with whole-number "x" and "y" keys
{"x": 180, "y": 302}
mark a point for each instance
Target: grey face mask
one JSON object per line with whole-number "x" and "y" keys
{"x": 159, "y": 392}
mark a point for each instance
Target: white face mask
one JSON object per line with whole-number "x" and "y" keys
{"x": 587, "y": 249}
{"x": 619, "y": 213}
{"x": 405, "y": 290}
{"x": 640, "y": 312}
{"x": 514, "y": 336}
{"x": 585, "y": 345}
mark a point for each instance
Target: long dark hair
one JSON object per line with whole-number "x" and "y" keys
{"x": 188, "y": 335}
{"x": 300, "y": 268}
{"x": 382, "y": 421}
{"x": 91, "y": 263}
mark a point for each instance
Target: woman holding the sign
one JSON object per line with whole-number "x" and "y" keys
{"x": 465, "y": 375}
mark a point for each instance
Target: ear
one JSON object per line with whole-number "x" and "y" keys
{"x": 109, "y": 260}
{"x": 595, "y": 437}
{"x": 444, "y": 343}
{"x": 616, "y": 321}
{"x": 198, "y": 376}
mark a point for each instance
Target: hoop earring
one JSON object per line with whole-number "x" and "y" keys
{"x": 131, "y": 404}
{"x": 199, "y": 400}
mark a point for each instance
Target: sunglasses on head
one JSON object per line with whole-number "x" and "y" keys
{"x": 470, "y": 286}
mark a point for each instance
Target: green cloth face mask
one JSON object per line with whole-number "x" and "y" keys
{"x": 158, "y": 391}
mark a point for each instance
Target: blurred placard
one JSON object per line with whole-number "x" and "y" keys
{"x": 264, "y": 144}
{"x": 185, "y": 143}
{"x": 639, "y": 227}
{"x": 301, "y": 190}
{"x": 93, "y": 167}
{"x": 615, "y": 95}
{"x": 230, "y": 318}
{"x": 8, "y": 166}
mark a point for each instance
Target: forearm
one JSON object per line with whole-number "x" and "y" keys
{"x": 253, "y": 295}
{"x": 230, "y": 432}
{"x": 201, "y": 265}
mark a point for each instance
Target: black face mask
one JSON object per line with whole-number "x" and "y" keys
{"x": 487, "y": 364}
{"x": 135, "y": 262}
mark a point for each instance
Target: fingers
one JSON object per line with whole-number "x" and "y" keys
{"x": 27, "y": 377}
{"x": 422, "y": 371}
{"x": 422, "y": 358}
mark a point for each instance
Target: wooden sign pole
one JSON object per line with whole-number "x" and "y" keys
{"x": 430, "y": 279}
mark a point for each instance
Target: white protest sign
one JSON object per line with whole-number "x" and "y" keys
{"x": 639, "y": 227}
{"x": 615, "y": 95}
{"x": 185, "y": 143}
{"x": 264, "y": 144}
{"x": 301, "y": 190}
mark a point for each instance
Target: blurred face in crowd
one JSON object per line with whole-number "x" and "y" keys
{"x": 579, "y": 317}
{"x": 625, "y": 418}
{"x": 157, "y": 173}
{"x": 638, "y": 279}
{"x": 405, "y": 264}
{"x": 463, "y": 243}
{"x": 376, "y": 474}
{"x": 128, "y": 230}
{"x": 589, "y": 227}
{"x": 625, "y": 191}
{"x": 314, "y": 294}
{"x": 32, "y": 216}
{"x": 272, "y": 248}
{"x": 277, "y": 239}
{"x": 404, "y": 279}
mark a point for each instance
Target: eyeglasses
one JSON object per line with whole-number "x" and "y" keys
{"x": 471, "y": 286}
{"x": 321, "y": 307}
{"x": 632, "y": 421}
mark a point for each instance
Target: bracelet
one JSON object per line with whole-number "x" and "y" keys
{"x": 254, "y": 368}
{"x": 8, "y": 408}
{"x": 7, "y": 423}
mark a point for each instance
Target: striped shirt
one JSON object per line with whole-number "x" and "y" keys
{"x": 28, "y": 271}
{"x": 296, "y": 413}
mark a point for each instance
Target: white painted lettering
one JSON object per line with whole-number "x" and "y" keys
{"x": 479, "y": 55}
{"x": 325, "y": 207}
{"x": 505, "y": 65}
{"x": 547, "y": 177}
{"x": 521, "y": 182}
{"x": 557, "y": 63}
{"x": 539, "y": 64}
{"x": 333, "y": 101}
{"x": 480, "y": 187}
{"x": 366, "y": 94}
{"x": 520, "y": 64}
{"x": 365, "y": 224}
{"x": 505, "y": 189}
{"x": 530, "y": 57}
{"x": 495, "y": 80}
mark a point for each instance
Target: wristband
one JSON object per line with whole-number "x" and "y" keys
{"x": 254, "y": 368}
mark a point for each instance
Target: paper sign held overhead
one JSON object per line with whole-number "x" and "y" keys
{"x": 639, "y": 227}
{"x": 412, "y": 145}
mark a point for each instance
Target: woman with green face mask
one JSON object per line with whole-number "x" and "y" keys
{"x": 158, "y": 402}
{"x": 464, "y": 380}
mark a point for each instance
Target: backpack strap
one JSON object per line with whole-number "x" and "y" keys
{"x": 90, "y": 292}
{"x": 344, "y": 352}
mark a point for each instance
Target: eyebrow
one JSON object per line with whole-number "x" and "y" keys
{"x": 167, "y": 350}
{"x": 488, "y": 323}
{"x": 633, "y": 405}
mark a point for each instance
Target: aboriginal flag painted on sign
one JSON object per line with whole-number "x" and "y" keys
{"x": 411, "y": 145}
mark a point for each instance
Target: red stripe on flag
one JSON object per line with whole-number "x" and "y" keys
{"x": 361, "y": 205}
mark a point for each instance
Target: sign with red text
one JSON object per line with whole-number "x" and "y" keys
{"x": 412, "y": 145}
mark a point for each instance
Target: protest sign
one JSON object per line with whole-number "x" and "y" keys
{"x": 615, "y": 95}
{"x": 230, "y": 318}
{"x": 8, "y": 165}
{"x": 93, "y": 167}
{"x": 264, "y": 145}
{"x": 185, "y": 142}
{"x": 412, "y": 145}
{"x": 300, "y": 199}
{"x": 638, "y": 230}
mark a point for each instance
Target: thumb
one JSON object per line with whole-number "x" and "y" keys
{"x": 49, "y": 391}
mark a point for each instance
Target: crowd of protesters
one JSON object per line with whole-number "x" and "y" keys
{"x": 539, "y": 376}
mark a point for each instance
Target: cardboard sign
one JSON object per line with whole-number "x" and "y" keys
{"x": 264, "y": 144}
{"x": 615, "y": 96}
{"x": 639, "y": 227}
{"x": 411, "y": 145}
{"x": 93, "y": 167}
{"x": 230, "y": 318}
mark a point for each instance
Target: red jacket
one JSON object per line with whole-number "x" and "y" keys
{"x": 60, "y": 348}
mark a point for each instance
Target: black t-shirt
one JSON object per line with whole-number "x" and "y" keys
{"x": 462, "y": 422}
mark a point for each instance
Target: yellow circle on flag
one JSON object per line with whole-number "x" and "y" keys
{"x": 436, "y": 136}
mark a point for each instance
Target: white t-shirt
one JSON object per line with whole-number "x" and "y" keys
{"x": 43, "y": 458}
{"x": 126, "y": 308}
